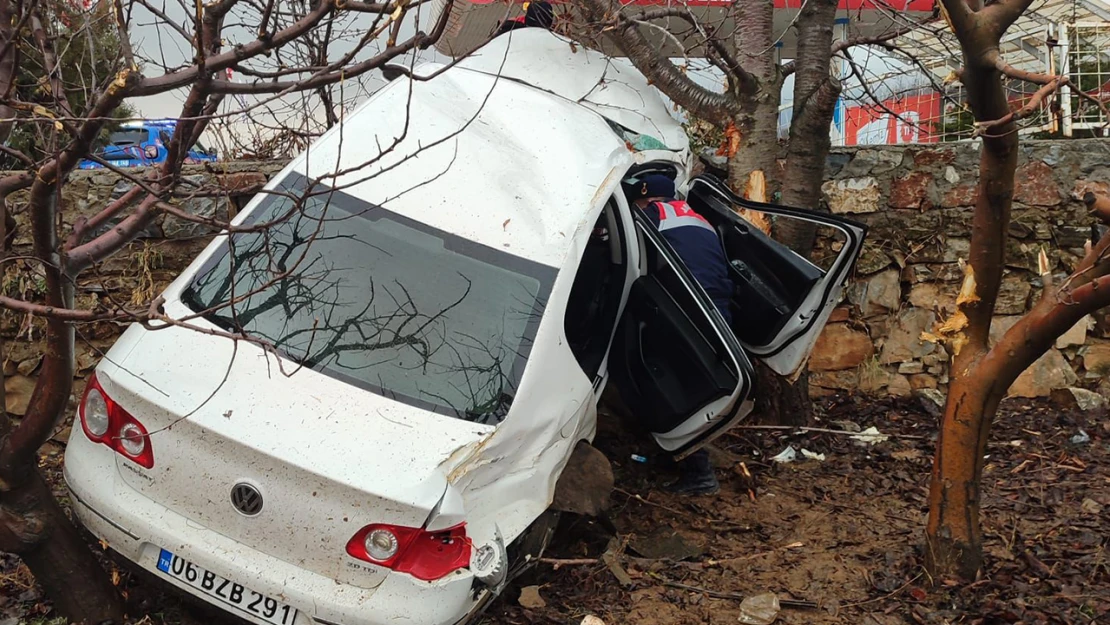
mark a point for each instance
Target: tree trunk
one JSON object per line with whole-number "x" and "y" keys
{"x": 758, "y": 119}
{"x": 32, "y": 524}
{"x": 815, "y": 94}
{"x": 953, "y": 539}
{"x": 953, "y": 535}
{"x": 34, "y": 527}
{"x": 780, "y": 401}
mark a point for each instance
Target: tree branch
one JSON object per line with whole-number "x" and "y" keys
{"x": 1026, "y": 110}
{"x": 1098, "y": 205}
{"x": 659, "y": 69}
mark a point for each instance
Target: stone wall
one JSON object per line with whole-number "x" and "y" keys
{"x": 917, "y": 202}
{"x": 133, "y": 276}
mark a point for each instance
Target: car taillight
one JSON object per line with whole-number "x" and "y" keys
{"x": 424, "y": 555}
{"x": 105, "y": 422}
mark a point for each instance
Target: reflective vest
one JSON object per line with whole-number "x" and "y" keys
{"x": 696, "y": 242}
{"x": 677, "y": 213}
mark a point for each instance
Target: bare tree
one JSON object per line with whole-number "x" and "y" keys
{"x": 748, "y": 110}
{"x": 264, "y": 42}
{"x": 981, "y": 374}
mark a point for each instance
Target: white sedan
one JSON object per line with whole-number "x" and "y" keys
{"x": 434, "y": 296}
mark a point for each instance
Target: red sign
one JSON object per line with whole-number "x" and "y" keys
{"x": 914, "y": 121}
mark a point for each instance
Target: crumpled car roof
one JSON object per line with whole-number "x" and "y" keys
{"x": 482, "y": 156}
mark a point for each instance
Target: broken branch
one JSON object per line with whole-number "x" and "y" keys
{"x": 1098, "y": 205}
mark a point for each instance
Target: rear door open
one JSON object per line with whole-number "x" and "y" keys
{"x": 783, "y": 297}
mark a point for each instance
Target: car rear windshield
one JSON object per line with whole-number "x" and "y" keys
{"x": 380, "y": 301}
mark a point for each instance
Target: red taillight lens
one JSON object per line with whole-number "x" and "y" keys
{"x": 422, "y": 554}
{"x": 105, "y": 422}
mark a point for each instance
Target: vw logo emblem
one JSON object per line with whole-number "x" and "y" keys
{"x": 246, "y": 499}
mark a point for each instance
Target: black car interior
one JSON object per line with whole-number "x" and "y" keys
{"x": 771, "y": 279}
{"x": 595, "y": 296}
{"x": 667, "y": 364}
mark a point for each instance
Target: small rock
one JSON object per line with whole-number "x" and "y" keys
{"x": 1051, "y": 371}
{"x": 878, "y": 294}
{"x": 1077, "y": 335}
{"x": 1090, "y": 506}
{"x": 852, "y": 195}
{"x": 899, "y": 386}
{"x": 931, "y": 400}
{"x": 1096, "y": 359}
{"x": 530, "y": 598}
{"x": 592, "y": 620}
{"x": 904, "y": 343}
{"x": 17, "y": 393}
{"x": 27, "y": 367}
{"x": 586, "y": 488}
{"x": 840, "y": 347}
{"x": 922, "y": 381}
{"x": 911, "y": 367}
{"x": 1081, "y": 399}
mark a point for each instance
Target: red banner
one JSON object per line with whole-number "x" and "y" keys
{"x": 914, "y": 121}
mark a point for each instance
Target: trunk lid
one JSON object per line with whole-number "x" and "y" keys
{"x": 328, "y": 458}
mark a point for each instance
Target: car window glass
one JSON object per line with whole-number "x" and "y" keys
{"x": 380, "y": 301}
{"x": 133, "y": 136}
{"x": 828, "y": 240}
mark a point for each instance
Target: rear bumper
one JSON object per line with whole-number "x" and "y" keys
{"x": 138, "y": 528}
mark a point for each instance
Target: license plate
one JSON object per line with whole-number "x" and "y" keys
{"x": 235, "y": 595}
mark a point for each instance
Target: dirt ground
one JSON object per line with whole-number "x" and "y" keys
{"x": 844, "y": 533}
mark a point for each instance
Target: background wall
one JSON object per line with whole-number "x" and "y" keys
{"x": 918, "y": 203}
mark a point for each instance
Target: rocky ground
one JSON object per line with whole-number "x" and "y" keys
{"x": 843, "y": 532}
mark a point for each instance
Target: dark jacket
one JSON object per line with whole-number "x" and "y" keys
{"x": 697, "y": 244}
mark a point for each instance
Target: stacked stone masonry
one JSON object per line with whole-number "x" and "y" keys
{"x": 918, "y": 202}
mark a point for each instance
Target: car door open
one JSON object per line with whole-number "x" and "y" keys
{"x": 782, "y": 298}
{"x": 676, "y": 363}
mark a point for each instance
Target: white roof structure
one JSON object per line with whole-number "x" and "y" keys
{"x": 524, "y": 154}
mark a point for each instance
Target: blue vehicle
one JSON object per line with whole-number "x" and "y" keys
{"x": 144, "y": 143}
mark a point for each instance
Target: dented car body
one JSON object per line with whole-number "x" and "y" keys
{"x": 432, "y": 316}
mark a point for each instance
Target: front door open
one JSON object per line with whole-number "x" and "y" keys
{"x": 783, "y": 299}
{"x": 675, "y": 361}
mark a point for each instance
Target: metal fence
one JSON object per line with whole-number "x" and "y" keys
{"x": 916, "y": 105}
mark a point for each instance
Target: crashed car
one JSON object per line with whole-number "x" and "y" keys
{"x": 406, "y": 337}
